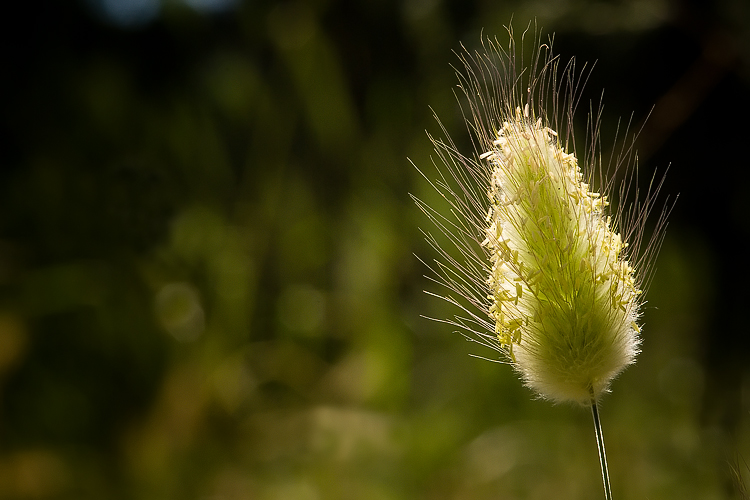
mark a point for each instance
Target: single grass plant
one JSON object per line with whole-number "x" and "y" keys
{"x": 546, "y": 249}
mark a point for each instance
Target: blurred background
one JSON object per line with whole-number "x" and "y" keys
{"x": 208, "y": 287}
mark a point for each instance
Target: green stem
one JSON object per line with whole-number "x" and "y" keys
{"x": 600, "y": 445}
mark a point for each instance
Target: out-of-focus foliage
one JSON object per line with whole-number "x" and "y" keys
{"x": 207, "y": 279}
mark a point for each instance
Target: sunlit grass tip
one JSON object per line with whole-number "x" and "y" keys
{"x": 542, "y": 267}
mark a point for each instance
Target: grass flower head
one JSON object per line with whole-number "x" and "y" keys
{"x": 543, "y": 268}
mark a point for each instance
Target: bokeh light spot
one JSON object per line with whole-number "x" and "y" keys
{"x": 179, "y": 309}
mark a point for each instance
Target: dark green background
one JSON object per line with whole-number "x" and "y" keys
{"x": 208, "y": 286}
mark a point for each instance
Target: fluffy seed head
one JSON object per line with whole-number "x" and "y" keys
{"x": 545, "y": 273}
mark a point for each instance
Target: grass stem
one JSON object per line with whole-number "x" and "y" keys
{"x": 602, "y": 452}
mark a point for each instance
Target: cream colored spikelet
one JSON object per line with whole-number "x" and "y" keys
{"x": 540, "y": 265}
{"x": 563, "y": 298}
